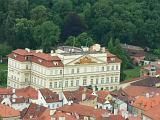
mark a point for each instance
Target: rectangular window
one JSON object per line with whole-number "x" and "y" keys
{"x": 102, "y": 69}
{"x": 60, "y": 84}
{"x": 116, "y": 79}
{"x": 60, "y": 72}
{"x": 91, "y": 81}
{"x": 107, "y": 79}
{"x": 77, "y": 70}
{"x": 96, "y": 80}
{"x": 77, "y": 82}
{"x": 108, "y": 68}
{"x": 72, "y": 71}
{"x": 117, "y": 68}
{"x": 102, "y": 80}
{"x": 50, "y": 85}
{"x": 71, "y": 83}
{"x": 55, "y": 84}
{"x": 112, "y": 68}
{"x": 84, "y": 82}
{"x": 112, "y": 80}
{"x": 66, "y": 83}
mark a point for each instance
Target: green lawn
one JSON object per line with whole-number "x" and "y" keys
{"x": 132, "y": 73}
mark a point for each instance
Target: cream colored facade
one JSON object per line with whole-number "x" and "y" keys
{"x": 80, "y": 69}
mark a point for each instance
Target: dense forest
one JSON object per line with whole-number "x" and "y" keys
{"x": 48, "y": 23}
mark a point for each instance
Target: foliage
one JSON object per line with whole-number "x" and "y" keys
{"x": 3, "y": 74}
{"x": 81, "y": 40}
{"x": 131, "y": 21}
{"x": 47, "y": 35}
{"x": 4, "y": 50}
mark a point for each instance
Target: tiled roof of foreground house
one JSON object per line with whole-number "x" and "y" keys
{"x": 147, "y": 102}
{"x": 131, "y": 92}
{"x": 49, "y": 95}
{"x": 27, "y": 92}
{"x": 35, "y": 112}
{"x": 76, "y": 96}
{"x": 37, "y": 57}
{"x": 83, "y": 110}
{"x": 6, "y": 91}
{"x": 6, "y": 111}
{"x": 59, "y": 114}
{"x": 153, "y": 113}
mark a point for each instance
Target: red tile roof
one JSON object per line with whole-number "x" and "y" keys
{"x": 66, "y": 116}
{"x": 102, "y": 93}
{"x": 36, "y": 112}
{"x": 5, "y": 91}
{"x": 83, "y": 110}
{"x": 134, "y": 91}
{"x": 27, "y": 92}
{"x": 37, "y": 57}
{"x": 115, "y": 117}
{"x": 49, "y": 96}
{"x": 153, "y": 113}
{"x": 146, "y": 103}
{"x": 76, "y": 96}
{"x": 6, "y": 111}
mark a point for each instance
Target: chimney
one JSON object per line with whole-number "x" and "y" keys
{"x": 13, "y": 90}
{"x": 83, "y": 96}
{"x": 105, "y": 116}
{"x": 27, "y": 49}
{"x": 147, "y": 95}
{"x": 115, "y": 111}
{"x": 40, "y": 50}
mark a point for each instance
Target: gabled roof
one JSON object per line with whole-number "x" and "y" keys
{"x": 65, "y": 115}
{"x": 27, "y": 92}
{"x": 36, "y": 112}
{"x": 49, "y": 96}
{"x": 37, "y": 57}
{"x": 83, "y": 110}
{"x": 153, "y": 113}
{"x": 6, "y": 91}
{"x": 6, "y": 111}
{"x": 148, "y": 82}
{"x": 146, "y": 102}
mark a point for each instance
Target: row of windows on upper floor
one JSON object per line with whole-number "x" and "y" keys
{"x": 85, "y": 82}
{"x": 76, "y": 70}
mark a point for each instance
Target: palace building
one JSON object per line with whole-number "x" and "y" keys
{"x": 66, "y": 68}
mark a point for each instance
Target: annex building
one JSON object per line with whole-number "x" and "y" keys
{"x": 66, "y": 68}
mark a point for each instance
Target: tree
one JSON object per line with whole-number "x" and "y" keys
{"x": 82, "y": 39}
{"x": 85, "y": 39}
{"x": 47, "y": 35}
{"x": 23, "y": 31}
{"x": 4, "y": 50}
{"x": 62, "y": 7}
{"x": 39, "y": 14}
{"x": 73, "y": 26}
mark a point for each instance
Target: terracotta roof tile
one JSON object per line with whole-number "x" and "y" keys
{"x": 153, "y": 113}
{"x": 27, "y": 92}
{"x": 36, "y": 112}
{"x": 6, "y": 111}
{"x": 49, "y": 96}
{"x": 66, "y": 116}
{"x": 6, "y": 91}
{"x": 37, "y": 57}
{"x": 83, "y": 110}
{"x": 102, "y": 93}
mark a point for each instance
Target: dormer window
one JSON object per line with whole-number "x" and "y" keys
{"x": 113, "y": 59}
{"x": 40, "y": 60}
{"x": 55, "y": 63}
{"x": 15, "y": 55}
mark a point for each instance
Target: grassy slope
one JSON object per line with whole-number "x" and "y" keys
{"x": 132, "y": 73}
